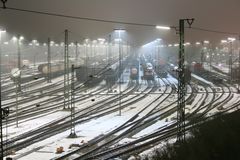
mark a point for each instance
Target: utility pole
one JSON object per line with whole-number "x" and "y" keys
{"x": 1, "y": 109}
{"x": 66, "y": 73}
{"x": 119, "y": 72}
{"x": 239, "y": 64}
{"x": 109, "y": 60}
{"x": 19, "y": 64}
{"x": 202, "y": 53}
{"x": 49, "y": 62}
{"x": 230, "y": 62}
{"x": 181, "y": 83}
{"x": 76, "y": 50}
{"x": 73, "y": 131}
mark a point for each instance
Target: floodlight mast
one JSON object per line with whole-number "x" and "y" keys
{"x": 3, "y": 112}
{"x": 19, "y": 63}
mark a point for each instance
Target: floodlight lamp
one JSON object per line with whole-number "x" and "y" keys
{"x": 163, "y": 27}
{"x": 21, "y": 38}
{"x": 14, "y": 38}
{"x": 223, "y": 41}
{"x": 119, "y": 30}
{"x": 231, "y": 39}
{"x": 206, "y": 42}
{"x": 101, "y": 39}
{"x": 198, "y": 43}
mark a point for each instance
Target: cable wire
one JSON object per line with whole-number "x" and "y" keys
{"x": 213, "y": 31}
{"x": 79, "y": 18}
{"x": 112, "y": 21}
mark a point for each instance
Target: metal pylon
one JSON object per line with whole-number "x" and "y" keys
{"x": 49, "y": 62}
{"x": 73, "y": 131}
{"x": 181, "y": 83}
{"x": 66, "y": 73}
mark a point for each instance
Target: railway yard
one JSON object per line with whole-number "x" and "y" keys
{"x": 114, "y": 80}
{"x": 148, "y": 114}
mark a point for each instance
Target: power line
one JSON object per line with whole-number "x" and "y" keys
{"x": 79, "y": 18}
{"x": 112, "y": 21}
{"x": 213, "y": 31}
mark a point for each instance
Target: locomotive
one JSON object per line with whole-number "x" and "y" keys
{"x": 148, "y": 72}
{"x": 134, "y": 70}
{"x": 196, "y": 68}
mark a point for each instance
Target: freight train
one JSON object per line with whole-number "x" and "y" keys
{"x": 93, "y": 75}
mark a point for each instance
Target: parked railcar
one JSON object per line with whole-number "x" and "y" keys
{"x": 134, "y": 69}
{"x": 196, "y": 68}
{"x": 90, "y": 76}
{"x": 148, "y": 72}
{"x": 174, "y": 71}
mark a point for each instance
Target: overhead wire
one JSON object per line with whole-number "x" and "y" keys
{"x": 214, "y": 31}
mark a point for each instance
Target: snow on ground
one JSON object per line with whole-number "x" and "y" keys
{"x": 85, "y": 132}
{"x": 223, "y": 67}
{"x": 33, "y": 124}
{"x": 203, "y": 80}
{"x": 152, "y": 128}
{"x": 46, "y": 149}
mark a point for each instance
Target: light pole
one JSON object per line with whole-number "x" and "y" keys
{"x": 230, "y": 40}
{"x": 239, "y": 64}
{"x": 34, "y": 44}
{"x": 2, "y": 111}
{"x": 119, "y": 31}
{"x": 18, "y": 39}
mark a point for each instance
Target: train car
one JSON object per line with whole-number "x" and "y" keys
{"x": 187, "y": 72}
{"x": 196, "y": 68}
{"x": 235, "y": 73}
{"x": 112, "y": 73}
{"x": 90, "y": 76}
{"x": 148, "y": 72}
{"x": 57, "y": 68}
{"x": 134, "y": 70}
{"x": 161, "y": 69}
{"x": 134, "y": 73}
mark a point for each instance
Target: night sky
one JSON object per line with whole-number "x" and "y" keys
{"x": 222, "y": 15}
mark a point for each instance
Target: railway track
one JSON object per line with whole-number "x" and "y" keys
{"x": 162, "y": 134}
{"x": 59, "y": 125}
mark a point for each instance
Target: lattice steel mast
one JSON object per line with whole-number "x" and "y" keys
{"x": 49, "y": 62}
{"x": 66, "y": 72}
{"x": 181, "y": 83}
